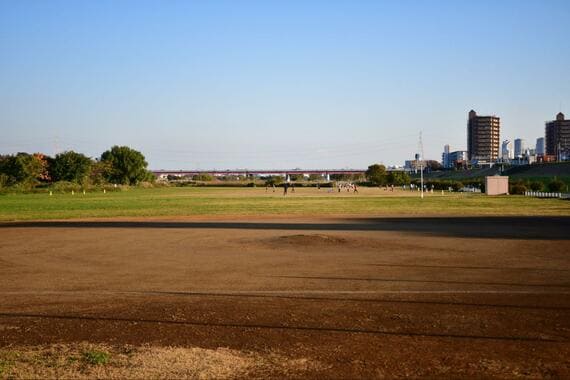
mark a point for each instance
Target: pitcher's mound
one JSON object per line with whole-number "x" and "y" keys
{"x": 313, "y": 239}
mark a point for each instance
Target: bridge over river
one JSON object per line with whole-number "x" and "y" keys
{"x": 263, "y": 172}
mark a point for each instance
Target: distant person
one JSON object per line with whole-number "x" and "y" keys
{"x": 285, "y": 188}
{"x": 273, "y": 187}
{"x": 292, "y": 187}
{"x": 355, "y": 189}
{"x": 318, "y": 186}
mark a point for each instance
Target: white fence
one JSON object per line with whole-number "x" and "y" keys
{"x": 541, "y": 194}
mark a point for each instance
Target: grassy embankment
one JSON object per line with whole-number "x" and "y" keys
{"x": 543, "y": 173}
{"x": 309, "y": 202}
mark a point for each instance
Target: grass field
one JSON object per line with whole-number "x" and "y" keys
{"x": 256, "y": 201}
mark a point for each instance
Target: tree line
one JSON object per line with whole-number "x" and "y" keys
{"x": 378, "y": 176}
{"x": 119, "y": 165}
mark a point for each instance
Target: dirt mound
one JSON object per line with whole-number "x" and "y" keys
{"x": 312, "y": 239}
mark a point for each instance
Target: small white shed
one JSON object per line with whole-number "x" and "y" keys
{"x": 496, "y": 185}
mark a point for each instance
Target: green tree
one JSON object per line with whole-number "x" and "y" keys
{"x": 536, "y": 186}
{"x": 297, "y": 177}
{"x": 376, "y": 174}
{"x": 273, "y": 180}
{"x": 22, "y": 168}
{"x": 99, "y": 172}
{"x": 398, "y": 178}
{"x": 70, "y": 166}
{"x": 315, "y": 177}
{"x": 203, "y": 177}
{"x": 128, "y": 166}
{"x": 555, "y": 186}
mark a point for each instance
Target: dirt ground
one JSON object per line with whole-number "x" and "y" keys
{"x": 359, "y": 297}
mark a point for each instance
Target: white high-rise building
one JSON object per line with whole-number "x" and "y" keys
{"x": 507, "y": 150}
{"x": 445, "y": 157}
{"x": 540, "y": 148}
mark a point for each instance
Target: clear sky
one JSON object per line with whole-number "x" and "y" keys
{"x": 276, "y": 84}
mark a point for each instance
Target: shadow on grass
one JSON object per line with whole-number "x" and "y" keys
{"x": 468, "y": 227}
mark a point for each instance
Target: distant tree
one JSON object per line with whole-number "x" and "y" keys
{"x": 536, "y": 186}
{"x": 517, "y": 188}
{"x": 149, "y": 177}
{"x": 21, "y": 168}
{"x": 273, "y": 180}
{"x": 315, "y": 177}
{"x": 44, "y": 163}
{"x": 432, "y": 165}
{"x": 297, "y": 177}
{"x": 456, "y": 185}
{"x": 357, "y": 177}
{"x": 99, "y": 172}
{"x": 398, "y": 178}
{"x": 128, "y": 166}
{"x": 203, "y": 177}
{"x": 376, "y": 174}
{"x": 555, "y": 186}
{"x": 70, "y": 166}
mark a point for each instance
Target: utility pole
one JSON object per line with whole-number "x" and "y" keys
{"x": 421, "y": 151}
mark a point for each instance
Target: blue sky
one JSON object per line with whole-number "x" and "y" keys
{"x": 276, "y": 84}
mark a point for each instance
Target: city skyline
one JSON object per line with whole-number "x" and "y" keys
{"x": 256, "y": 84}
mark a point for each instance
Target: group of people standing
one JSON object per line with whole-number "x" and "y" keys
{"x": 348, "y": 187}
{"x": 290, "y": 187}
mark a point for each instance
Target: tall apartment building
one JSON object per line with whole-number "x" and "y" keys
{"x": 557, "y": 137}
{"x": 482, "y": 138}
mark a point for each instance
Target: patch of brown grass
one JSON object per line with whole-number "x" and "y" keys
{"x": 127, "y": 362}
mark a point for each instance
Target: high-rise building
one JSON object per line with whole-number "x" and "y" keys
{"x": 520, "y": 147}
{"x": 539, "y": 149}
{"x": 557, "y": 137}
{"x": 507, "y": 150}
{"x": 445, "y": 157}
{"x": 483, "y": 138}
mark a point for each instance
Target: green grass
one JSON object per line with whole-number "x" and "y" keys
{"x": 256, "y": 202}
{"x": 95, "y": 357}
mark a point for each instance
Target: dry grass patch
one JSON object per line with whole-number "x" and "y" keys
{"x": 86, "y": 361}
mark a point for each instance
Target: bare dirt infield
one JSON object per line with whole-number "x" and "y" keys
{"x": 358, "y": 297}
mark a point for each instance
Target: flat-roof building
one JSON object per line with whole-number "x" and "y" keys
{"x": 483, "y": 138}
